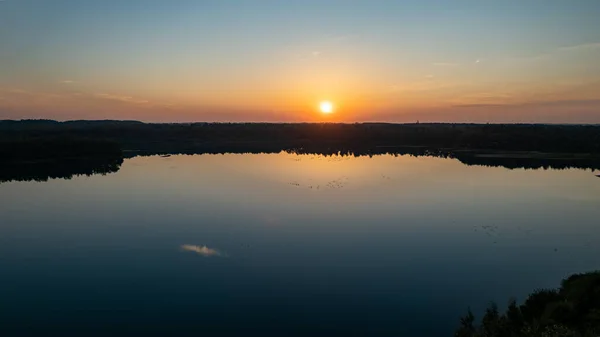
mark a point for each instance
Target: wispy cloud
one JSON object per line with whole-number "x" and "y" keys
{"x": 427, "y": 84}
{"x": 595, "y": 103}
{"x": 577, "y": 103}
{"x": 480, "y": 99}
{"x": 564, "y": 50}
{"x": 17, "y": 91}
{"x": 69, "y": 99}
{"x": 581, "y": 47}
{"x": 316, "y": 53}
{"x": 478, "y": 105}
{"x": 29, "y": 95}
{"x": 121, "y": 98}
{"x": 67, "y": 82}
{"x": 201, "y": 250}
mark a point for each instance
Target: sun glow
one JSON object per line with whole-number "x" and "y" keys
{"x": 326, "y": 107}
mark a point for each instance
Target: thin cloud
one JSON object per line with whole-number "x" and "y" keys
{"x": 551, "y": 103}
{"x": 567, "y": 103}
{"x": 483, "y": 99}
{"x": 478, "y": 105}
{"x": 20, "y": 93}
{"x": 201, "y": 250}
{"x": 582, "y": 47}
{"x": 120, "y": 98}
{"x": 104, "y": 96}
{"x": 427, "y": 84}
{"x": 17, "y": 91}
{"x": 67, "y": 81}
{"x": 316, "y": 53}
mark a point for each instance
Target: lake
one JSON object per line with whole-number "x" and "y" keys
{"x": 286, "y": 245}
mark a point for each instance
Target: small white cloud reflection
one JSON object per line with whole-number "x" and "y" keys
{"x": 201, "y": 250}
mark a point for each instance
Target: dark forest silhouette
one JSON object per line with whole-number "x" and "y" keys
{"x": 573, "y": 310}
{"x": 42, "y": 149}
{"x": 357, "y": 138}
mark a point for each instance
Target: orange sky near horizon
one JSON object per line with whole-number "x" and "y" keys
{"x": 376, "y": 61}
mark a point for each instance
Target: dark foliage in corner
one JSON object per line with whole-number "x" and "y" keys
{"x": 573, "y": 310}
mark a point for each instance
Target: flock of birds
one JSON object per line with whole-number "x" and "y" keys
{"x": 489, "y": 230}
{"x": 333, "y": 184}
{"x": 334, "y": 158}
{"x": 493, "y": 232}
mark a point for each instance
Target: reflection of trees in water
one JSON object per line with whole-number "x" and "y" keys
{"x": 66, "y": 168}
{"x": 60, "y": 168}
{"x": 508, "y": 160}
{"x": 40, "y": 159}
{"x": 531, "y": 163}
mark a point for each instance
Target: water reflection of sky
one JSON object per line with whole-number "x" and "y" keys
{"x": 315, "y": 245}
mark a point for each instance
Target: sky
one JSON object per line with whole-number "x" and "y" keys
{"x": 266, "y": 60}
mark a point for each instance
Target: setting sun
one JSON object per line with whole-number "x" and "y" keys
{"x": 326, "y": 107}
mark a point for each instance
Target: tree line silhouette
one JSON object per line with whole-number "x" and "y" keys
{"x": 257, "y": 136}
{"x": 51, "y": 147}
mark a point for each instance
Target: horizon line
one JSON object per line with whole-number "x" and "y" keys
{"x": 281, "y": 123}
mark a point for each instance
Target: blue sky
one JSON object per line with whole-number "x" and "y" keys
{"x": 275, "y": 60}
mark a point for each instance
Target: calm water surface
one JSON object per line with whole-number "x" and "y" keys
{"x": 286, "y": 245}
